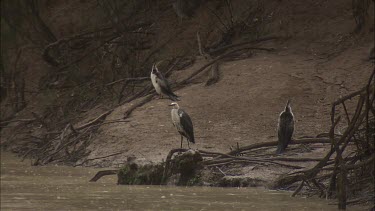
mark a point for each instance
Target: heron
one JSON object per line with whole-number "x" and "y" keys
{"x": 285, "y": 128}
{"x": 182, "y": 121}
{"x": 161, "y": 84}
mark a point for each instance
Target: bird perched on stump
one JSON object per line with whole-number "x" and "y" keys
{"x": 181, "y": 120}
{"x": 285, "y": 128}
{"x": 161, "y": 84}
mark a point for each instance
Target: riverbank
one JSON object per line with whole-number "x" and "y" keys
{"x": 58, "y": 187}
{"x": 101, "y": 111}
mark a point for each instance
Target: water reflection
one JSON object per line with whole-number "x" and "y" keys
{"x": 66, "y": 188}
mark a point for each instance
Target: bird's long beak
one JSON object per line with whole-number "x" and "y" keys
{"x": 287, "y": 104}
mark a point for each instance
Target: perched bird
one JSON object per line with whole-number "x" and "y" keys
{"x": 181, "y": 120}
{"x": 161, "y": 84}
{"x": 285, "y": 128}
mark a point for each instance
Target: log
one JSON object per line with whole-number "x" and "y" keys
{"x": 101, "y": 174}
{"x": 275, "y": 143}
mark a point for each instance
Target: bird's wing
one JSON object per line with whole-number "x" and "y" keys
{"x": 162, "y": 81}
{"x": 285, "y": 130}
{"x": 286, "y": 125}
{"x": 165, "y": 87}
{"x": 186, "y": 124}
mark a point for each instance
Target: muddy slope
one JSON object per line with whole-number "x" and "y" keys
{"x": 321, "y": 61}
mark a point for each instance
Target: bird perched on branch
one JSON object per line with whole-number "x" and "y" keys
{"x": 161, "y": 84}
{"x": 285, "y": 128}
{"x": 181, "y": 120}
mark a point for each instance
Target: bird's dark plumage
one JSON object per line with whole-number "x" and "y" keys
{"x": 285, "y": 128}
{"x": 187, "y": 126}
{"x": 165, "y": 87}
{"x": 182, "y": 121}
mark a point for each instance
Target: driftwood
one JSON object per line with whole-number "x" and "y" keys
{"x": 103, "y": 173}
{"x": 275, "y": 143}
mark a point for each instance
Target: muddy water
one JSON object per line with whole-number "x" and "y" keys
{"x": 67, "y": 188}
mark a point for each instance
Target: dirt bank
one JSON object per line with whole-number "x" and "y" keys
{"x": 318, "y": 57}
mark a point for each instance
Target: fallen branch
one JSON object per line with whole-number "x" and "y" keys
{"x": 97, "y": 119}
{"x": 91, "y": 159}
{"x": 187, "y": 80}
{"x": 101, "y": 174}
{"x": 140, "y": 79}
{"x": 244, "y": 43}
{"x": 349, "y": 96}
{"x": 141, "y": 93}
{"x": 275, "y": 143}
{"x": 299, "y": 188}
{"x": 137, "y": 104}
{"x": 17, "y": 120}
{"x": 214, "y": 77}
{"x": 252, "y": 160}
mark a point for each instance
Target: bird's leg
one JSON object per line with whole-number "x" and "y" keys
{"x": 188, "y": 143}
{"x": 181, "y": 141}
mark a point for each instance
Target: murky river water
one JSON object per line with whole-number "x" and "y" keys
{"x": 67, "y": 188}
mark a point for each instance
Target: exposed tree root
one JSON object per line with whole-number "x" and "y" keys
{"x": 342, "y": 177}
{"x": 145, "y": 100}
